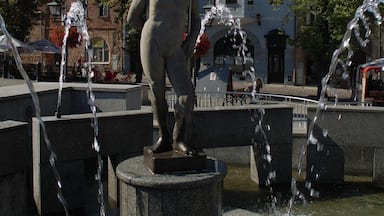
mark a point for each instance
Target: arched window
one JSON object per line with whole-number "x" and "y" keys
{"x": 100, "y": 50}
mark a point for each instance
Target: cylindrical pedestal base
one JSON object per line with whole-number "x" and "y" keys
{"x": 192, "y": 193}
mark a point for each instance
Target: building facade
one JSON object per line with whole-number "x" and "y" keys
{"x": 104, "y": 32}
{"x": 268, "y": 28}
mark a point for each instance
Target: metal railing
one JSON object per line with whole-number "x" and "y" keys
{"x": 299, "y": 104}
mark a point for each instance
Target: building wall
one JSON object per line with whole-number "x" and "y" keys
{"x": 109, "y": 30}
{"x": 98, "y": 27}
{"x": 270, "y": 18}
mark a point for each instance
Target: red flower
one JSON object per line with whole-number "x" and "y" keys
{"x": 203, "y": 46}
{"x": 56, "y": 35}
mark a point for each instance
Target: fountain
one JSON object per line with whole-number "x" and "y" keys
{"x": 210, "y": 118}
{"x": 217, "y": 167}
{"x": 319, "y": 138}
{"x": 52, "y": 158}
{"x": 173, "y": 177}
{"x": 262, "y": 149}
{"x": 76, "y": 17}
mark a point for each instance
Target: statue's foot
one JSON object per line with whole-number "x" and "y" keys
{"x": 161, "y": 145}
{"x": 182, "y": 147}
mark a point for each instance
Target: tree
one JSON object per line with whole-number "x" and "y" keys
{"x": 322, "y": 26}
{"x": 18, "y": 16}
{"x": 133, "y": 41}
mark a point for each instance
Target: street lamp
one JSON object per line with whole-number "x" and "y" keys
{"x": 207, "y": 8}
{"x": 54, "y": 8}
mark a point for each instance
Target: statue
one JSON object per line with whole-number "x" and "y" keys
{"x": 163, "y": 50}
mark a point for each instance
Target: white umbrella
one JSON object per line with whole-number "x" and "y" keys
{"x": 45, "y": 46}
{"x": 5, "y": 44}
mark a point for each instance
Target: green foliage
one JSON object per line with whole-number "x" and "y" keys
{"x": 325, "y": 31}
{"x": 133, "y": 39}
{"x": 18, "y": 16}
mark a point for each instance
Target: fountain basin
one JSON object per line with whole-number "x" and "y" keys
{"x": 15, "y": 161}
{"x": 356, "y": 133}
{"x": 189, "y": 193}
{"x": 16, "y": 102}
{"x": 122, "y": 134}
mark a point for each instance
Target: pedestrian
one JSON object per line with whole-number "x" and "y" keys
{"x": 259, "y": 85}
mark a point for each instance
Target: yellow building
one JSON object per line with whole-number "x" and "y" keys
{"x": 105, "y": 37}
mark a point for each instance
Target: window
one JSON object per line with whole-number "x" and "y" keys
{"x": 103, "y": 11}
{"x": 230, "y": 1}
{"x": 250, "y": 2}
{"x": 100, "y": 50}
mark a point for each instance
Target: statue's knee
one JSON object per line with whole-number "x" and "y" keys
{"x": 186, "y": 99}
{"x": 157, "y": 87}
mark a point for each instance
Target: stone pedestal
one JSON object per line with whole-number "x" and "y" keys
{"x": 173, "y": 161}
{"x": 189, "y": 193}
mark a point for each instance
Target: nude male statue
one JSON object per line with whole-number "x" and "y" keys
{"x": 163, "y": 51}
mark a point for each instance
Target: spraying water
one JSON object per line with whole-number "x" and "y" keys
{"x": 36, "y": 103}
{"x": 260, "y": 141}
{"x": 224, "y": 16}
{"x": 76, "y": 17}
{"x": 360, "y": 20}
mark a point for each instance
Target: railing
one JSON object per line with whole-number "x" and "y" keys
{"x": 299, "y": 104}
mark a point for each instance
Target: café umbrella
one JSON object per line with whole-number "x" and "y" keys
{"x": 5, "y": 44}
{"x": 46, "y": 46}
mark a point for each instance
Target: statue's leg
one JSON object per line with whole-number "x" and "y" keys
{"x": 154, "y": 70}
{"x": 181, "y": 82}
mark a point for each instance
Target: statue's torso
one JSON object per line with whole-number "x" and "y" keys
{"x": 166, "y": 22}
